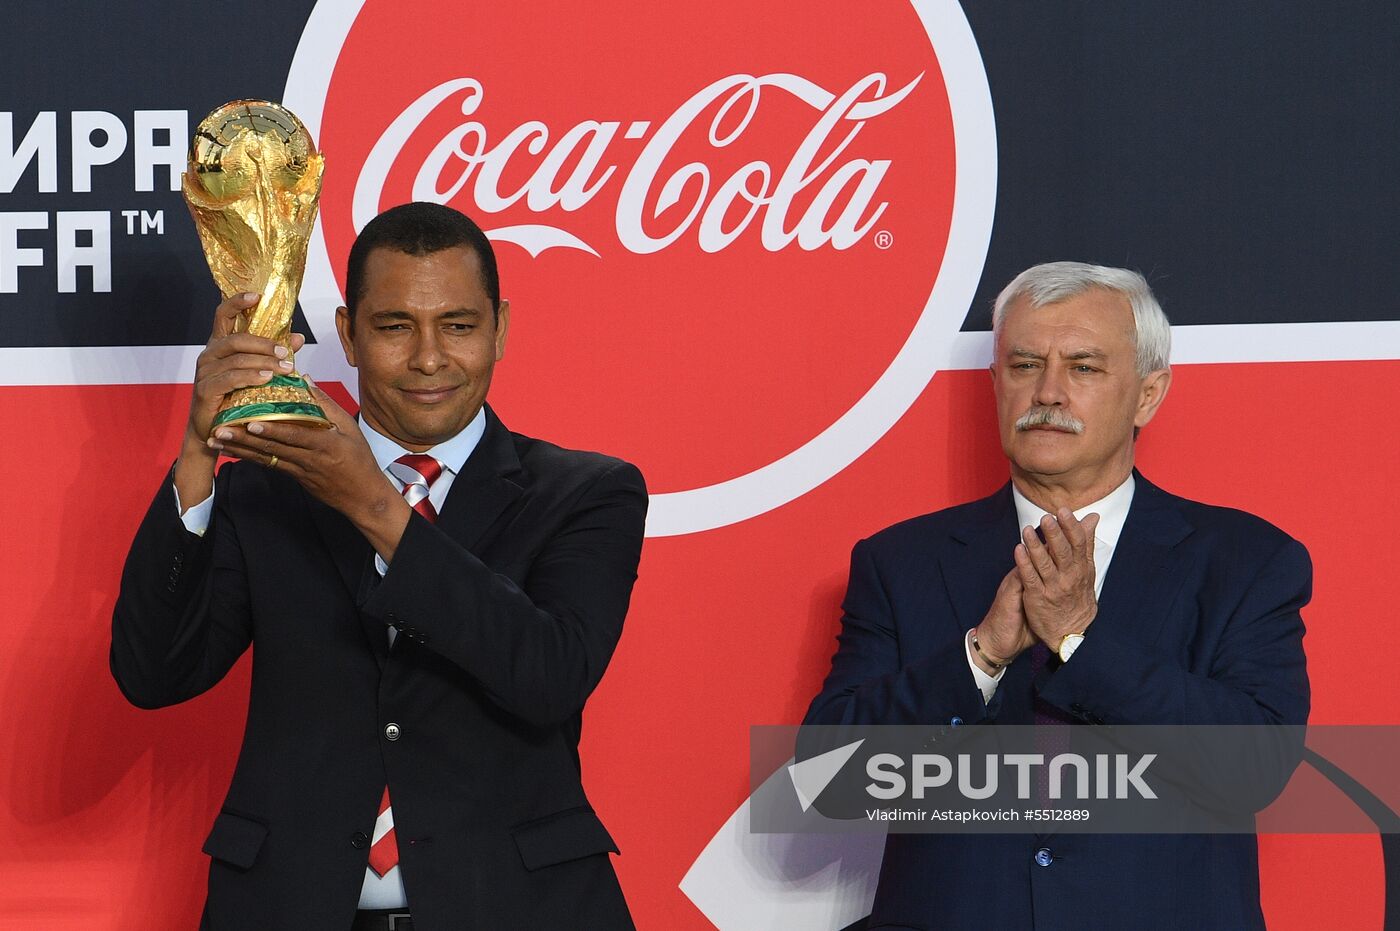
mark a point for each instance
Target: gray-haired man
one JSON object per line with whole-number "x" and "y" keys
{"x": 1005, "y": 610}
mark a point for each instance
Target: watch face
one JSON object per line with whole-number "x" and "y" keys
{"x": 1069, "y": 645}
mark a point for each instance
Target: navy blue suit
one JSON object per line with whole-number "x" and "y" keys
{"x": 1198, "y": 623}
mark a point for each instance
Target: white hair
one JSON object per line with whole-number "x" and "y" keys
{"x": 1056, "y": 281}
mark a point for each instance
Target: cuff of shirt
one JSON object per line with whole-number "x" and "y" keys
{"x": 987, "y": 684}
{"x": 196, "y": 519}
{"x": 382, "y": 567}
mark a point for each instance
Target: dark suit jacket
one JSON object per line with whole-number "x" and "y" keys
{"x": 1198, "y": 623}
{"x": 508, "y": 610}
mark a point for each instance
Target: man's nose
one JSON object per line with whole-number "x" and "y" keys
{"x": 427, "y": 354}
{"x": 1050, "y": 388}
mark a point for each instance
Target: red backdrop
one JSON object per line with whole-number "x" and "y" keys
{"x": 728, "y": 629}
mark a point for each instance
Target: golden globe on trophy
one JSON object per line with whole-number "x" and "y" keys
{"x": 253, "y": 187}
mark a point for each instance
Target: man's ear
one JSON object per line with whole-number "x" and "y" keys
{"x": 502, "y": 329}
{"x": 345, "y": 328}
{"x": 1151, "y": 395}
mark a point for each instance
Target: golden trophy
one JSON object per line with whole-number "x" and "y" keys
{"x": 253, "y": 187}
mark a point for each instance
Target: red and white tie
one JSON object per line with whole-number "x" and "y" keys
{"x": 417, "y": 472}
{"x": 384, "y": 852}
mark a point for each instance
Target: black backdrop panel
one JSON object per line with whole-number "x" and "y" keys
{"x": 121, "y": 58}
{"x": 1244, "y": 156}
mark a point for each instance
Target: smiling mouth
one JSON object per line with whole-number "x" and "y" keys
{"x": 429, "y": 395}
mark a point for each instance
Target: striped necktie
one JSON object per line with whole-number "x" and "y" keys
{"x": 417, "y": 472}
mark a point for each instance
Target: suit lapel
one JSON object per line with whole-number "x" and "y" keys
{"x": 354, "y": 561}
{"x": 485, "y": 487}
{"x": 980, "y": 555}
{"x": 973, "y": 566}
{"x": 1145, "y": 575}
{"x": 348, "y": 548}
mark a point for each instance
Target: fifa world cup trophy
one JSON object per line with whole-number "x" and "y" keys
{"x": 253, "y": 187}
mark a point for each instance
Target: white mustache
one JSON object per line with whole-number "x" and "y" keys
{"x": 1049, "y": 417}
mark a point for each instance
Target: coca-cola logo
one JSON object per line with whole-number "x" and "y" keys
{"x": 572, "y": 169}
{"x": 735, "y": 254}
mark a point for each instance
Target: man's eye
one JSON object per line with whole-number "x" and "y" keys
{"x": 1085, "y": 369}
{"x": 460, "y": 327}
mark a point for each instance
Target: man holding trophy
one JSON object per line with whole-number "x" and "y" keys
{"x": 431, "y": 598}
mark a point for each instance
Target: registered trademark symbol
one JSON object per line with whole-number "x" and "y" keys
{"x": 884, "y": 239}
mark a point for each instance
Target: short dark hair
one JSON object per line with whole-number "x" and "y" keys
{"x": 420, "y": 228}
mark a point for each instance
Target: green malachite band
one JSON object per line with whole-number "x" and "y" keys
{"x": 263, "y": 410}
{"x": 298, "y": 403}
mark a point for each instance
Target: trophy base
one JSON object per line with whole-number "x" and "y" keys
{"x": 285, "y": 397}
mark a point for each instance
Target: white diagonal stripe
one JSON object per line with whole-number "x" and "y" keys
{"x": 383, "y": 824}
{"x": 406, "y": 474}
{"x": 414, "y": 493}
{"x": 415, "y": 484}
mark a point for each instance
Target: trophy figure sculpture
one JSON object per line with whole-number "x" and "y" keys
{"x": 253, "y": 187}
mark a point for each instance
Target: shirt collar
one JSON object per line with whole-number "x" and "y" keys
{"x": 1112, "y": 509}
{"x": 451, "y": 453}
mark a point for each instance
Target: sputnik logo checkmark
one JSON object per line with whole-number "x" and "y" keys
{"x": 811, "y": 777}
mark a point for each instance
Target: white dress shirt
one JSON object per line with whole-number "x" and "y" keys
{"x": 1112, "y": 509}
{"x": 382, "y": 891}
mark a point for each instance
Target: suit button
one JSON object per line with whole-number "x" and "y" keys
{"x": 955, "y": 721}
{"x": 1043, "y": 857}
{"x": 391, "y": 731}
{"x": 359, "y": 840}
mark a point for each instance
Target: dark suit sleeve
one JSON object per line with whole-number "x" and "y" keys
{"x": 1257, "y": 675}
{"x": 181, "y": 618}
{"x": 867, "y": 683}
{"x": 538, "y": 649}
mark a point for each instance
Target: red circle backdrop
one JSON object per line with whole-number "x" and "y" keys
{"x": 659, "y": 357}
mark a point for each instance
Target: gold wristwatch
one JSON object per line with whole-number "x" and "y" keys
{"x": 1068, "y": 644}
